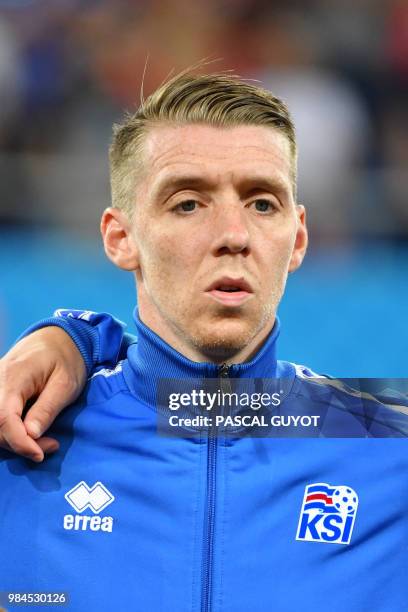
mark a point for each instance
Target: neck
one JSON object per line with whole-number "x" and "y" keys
{"x": 151, "y": 359}
{"x": 190, "y": 351}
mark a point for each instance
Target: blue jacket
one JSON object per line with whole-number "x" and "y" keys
{"x": 124, "y": 519}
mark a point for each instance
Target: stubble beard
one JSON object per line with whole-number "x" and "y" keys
{"x": 218, "y": 344}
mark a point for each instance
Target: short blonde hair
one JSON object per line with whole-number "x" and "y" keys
{"x": 220, "y": 100}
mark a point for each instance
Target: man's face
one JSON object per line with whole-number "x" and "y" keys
{"x": 216, "y": 231}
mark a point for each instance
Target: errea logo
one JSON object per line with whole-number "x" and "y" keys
{"x": 95, "y": 498}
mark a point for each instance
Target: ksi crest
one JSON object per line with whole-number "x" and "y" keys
{"x": 328, "y": 514}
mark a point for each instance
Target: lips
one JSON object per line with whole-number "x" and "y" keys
{"x": 231, "y": 285}
{"x": 230, "y": 291}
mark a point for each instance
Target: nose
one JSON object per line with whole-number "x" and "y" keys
{"x": 231, "y": 230}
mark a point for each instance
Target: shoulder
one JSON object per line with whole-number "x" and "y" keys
{"x": 104, "y": 384}
{"x": 380, "y": 404}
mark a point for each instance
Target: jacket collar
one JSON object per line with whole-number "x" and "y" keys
{"x": 151, "y": 358}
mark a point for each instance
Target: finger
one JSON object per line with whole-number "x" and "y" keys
{"x": 13, "y": 432}
{"x": 48, "y": 445}
{"x": 47, "y": 407}
{"x": 17, "y": 440}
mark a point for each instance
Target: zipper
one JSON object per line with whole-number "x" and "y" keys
{"x": 209, "y": 526}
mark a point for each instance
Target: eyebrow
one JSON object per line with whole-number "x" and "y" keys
{"x": 173, "y": 184}
{"x": 274, "y": 185}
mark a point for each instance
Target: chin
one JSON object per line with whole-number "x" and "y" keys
{"x": 223, "y": 338}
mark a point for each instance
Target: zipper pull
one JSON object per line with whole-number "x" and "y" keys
{"x": 223, "y": 371}
{"x": 223, "y": 375}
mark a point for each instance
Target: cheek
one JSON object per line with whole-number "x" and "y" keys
{"x": 165, "y": 258}
{"x": 276, "y": 259}
{"x": 175, "y": 251}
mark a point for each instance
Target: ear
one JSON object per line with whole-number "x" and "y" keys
{"x": 118, "y": 241}
{"x": 301, "y": 240}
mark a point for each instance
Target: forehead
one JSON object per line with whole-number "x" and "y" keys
{"x": 219, "y": 152}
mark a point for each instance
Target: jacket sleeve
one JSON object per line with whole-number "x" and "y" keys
{"x": 100, "y": 338}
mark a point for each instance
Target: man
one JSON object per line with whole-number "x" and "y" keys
{"x": 204, "y": 213}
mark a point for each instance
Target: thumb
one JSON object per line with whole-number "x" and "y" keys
{"x": 55, "y": 396}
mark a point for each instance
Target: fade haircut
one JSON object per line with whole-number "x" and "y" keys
{"x": 219, "y": 100}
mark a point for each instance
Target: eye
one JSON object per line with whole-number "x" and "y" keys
{"x": 264, "y": 206}
{"x": 188, "y": 206}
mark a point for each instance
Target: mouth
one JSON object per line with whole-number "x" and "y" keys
{"x": 230, "y": 291}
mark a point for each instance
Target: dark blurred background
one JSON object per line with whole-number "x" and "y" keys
{"x": 68, "y": 69}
